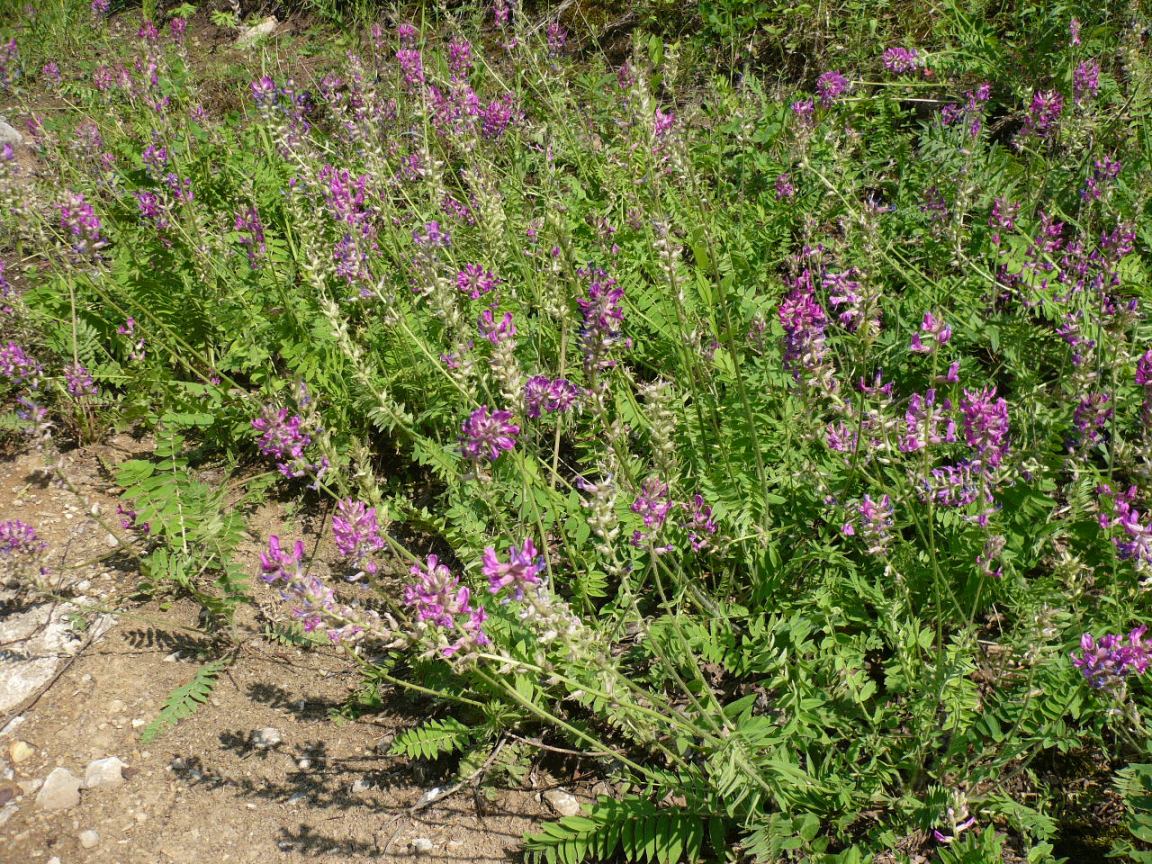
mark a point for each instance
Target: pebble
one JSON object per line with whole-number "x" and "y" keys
{"x": 266, "y": 738}
{"x": 563, "y": 803}
{"x": 304, "y": 764}
{"x": 89, "y": 839}
{"x": 7, "y": 812}
{"x": 53, "y": 860}
{"x": 360, "y": 786}
{"x": 137, "y": 722}
{"x": 298, "y": 798}
{"x": 61, "y": 790}
{"x": 8, "y": 135}
{"x": 104, "y": 772}
{"x": 257, "y": 32}
{"x": 116, "y": 706}
{"x": 420, "y": 845}
{"x": 19, "y": 751}
{"x": 30, "y": 786}
{"x": 110, "y": 540}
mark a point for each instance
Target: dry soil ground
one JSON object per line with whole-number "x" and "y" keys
{"x": 201, "y": 792}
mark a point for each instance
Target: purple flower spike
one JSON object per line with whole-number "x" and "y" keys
{"x": 487, "y": 434}
{"x": 523, "y": 568}
{"x": 357, "y": 534}
{"x": 1108, "y": 662}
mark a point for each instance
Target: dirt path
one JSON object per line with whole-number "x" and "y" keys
{"x": 201, "y": 792}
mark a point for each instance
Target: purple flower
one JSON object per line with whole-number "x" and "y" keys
{"x": 603, "y": 314}
{"x": 79, "y": 220}
{"x": 441, "y": 602}
{"x": 1134, "y": 543}
{"x": 475, "y": 281}
{"x": 278, "y": 564}
{"x": 283, "y": 440}
{"x": 922, "y": 422}
{"x": 412, "y": 65}
{"x": 155, "y": 158}
{"x": 804, "y": 109}
{"x": 804, "y": 321}
{"x": 1043, "y": 114}
{"x": 900, "y": 60}
{"x": 20, "y": 538}
{"x": 496, "y": 331}
{"x": 78, "y": 381}
{"x": 1091, "y": 416}
{"x": 876, "y": 521}
{"x": 177, "y": 27}
{"x": 51, "y": 71}
{"x": 151, "y": 208}
{"x": 955, "y": 485}
{"x": 406, "y": 33}
{"x": 652, "y": 503}
{"x": 700, "y": 523}
{"x": 844, "y": 290}
{"x": 1144, "y": 369}
{"x": 315, "y": 604}
{"x": 148, "y": 32}
{"x": 356, "y": 533}
{"x": 938, "y": 332}
{"x": 1108, "y": 662}
{"x": 985, "y": 425}
{"x": 523, "y": 568}
{"x": 432, "y": 237}
{"x": 460, "y": 58}
{"x": 829, "y": 86}
{"x": 248, "y": 222}
{"x": 99, "y": 8}
{"x": 557, "y": 37}
{"x": 542, "y": 393}
{"x": 486, "y": 434}
{"x": 784, "y": 187}
{"x": 498, "y": 116}
{"x": 16, "y": 365}
{"x": 1085, "y": 81}
{"x": 264, "y": 92}
{"x": 1074, "y": 32}
{"x": 1104, "y": 171}
{"x": 662, "y": 123}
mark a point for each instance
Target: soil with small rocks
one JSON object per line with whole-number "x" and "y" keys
{"x": 261, "y": 772}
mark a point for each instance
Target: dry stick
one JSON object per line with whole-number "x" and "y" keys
{"x": 471, "y": 779}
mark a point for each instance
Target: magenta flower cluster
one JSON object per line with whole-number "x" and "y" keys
{"x": 1107, "y": 663}
{"x": 314, "y": 604}
{"x": 283, "y": 439}
{"x": 80, "y": 222}
{"x": 486, "y": 434}
{"x": 78, "y": 381}
{"x": 442, "y": 603}
{"x": 20, "y": 538}
{"x": 475, "y": 281}
{"x": 16, "y": 365}
{"x": 522, "y": 569}
{"x": 900, "y": 60}
{"x": 550, "y": 395}
{"x": 357, "y": 534}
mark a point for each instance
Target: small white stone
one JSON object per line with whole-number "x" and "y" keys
{"x": 104, "y": 773}
{"x": 360, "y": 786}
{"x": 53, "y": 860}
{"x": 137, "y": 722}
{"x": 420, "y": 845}
{"x": 61, "y": 790}
{"x": 20, "y": 751}
{"x": 562, "y": 802}
{"x": 89, "y": 839}
{"x": 266, "y": 738}
{"x": 110, "y": 540}
{"x": 304, "y": 764}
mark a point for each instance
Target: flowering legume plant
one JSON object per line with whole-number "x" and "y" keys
{"x": 781, "y": 446}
